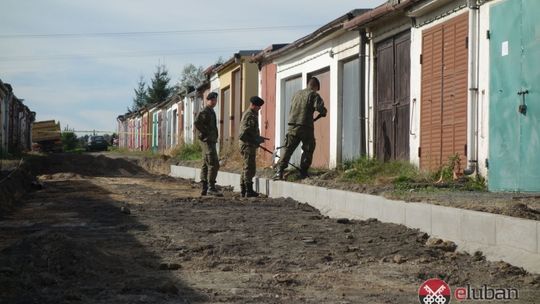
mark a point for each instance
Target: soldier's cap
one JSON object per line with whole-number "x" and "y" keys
{"x": 256, "y": 100}
{"x": 212, "y": 95}
{"x": 315, "y": 81}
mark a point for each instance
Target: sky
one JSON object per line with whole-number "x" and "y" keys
{"x": 78, "y": 61}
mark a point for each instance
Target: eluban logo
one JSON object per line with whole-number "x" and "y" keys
{"x": 485, "y": 293}
{"x": 434, "y": 291}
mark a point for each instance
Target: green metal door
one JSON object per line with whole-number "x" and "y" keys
{"x": 514, "y": 99}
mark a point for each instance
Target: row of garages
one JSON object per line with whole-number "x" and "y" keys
{"x": 15, "y": 122}
{"x": 415, "y": 80}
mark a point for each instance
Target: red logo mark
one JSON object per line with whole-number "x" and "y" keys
{"x": 434, "y": 291}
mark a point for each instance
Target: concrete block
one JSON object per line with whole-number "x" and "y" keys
{"x": 183, "y": 172}
{"x": 446, "y": 222}
{"x": 286, "y": 189}
{"x": 516, "y": 233}
{"x": 261, "y": 185}
{"x": 297, "y": 192}
{"x": 355, "y": 205}
{"x": 372, "y": 206}
{"x": 322, "y": 201}
{"x": 478, "y": 227}
{"x": 276, "y": 189}
{"x": 521, "y": 258}
{"x": 392, "y": 211}
{"x": 197, "y": 175}
{"x": 300, "y": 192}
{"x": 418, "y": 215}
{"x": 234, "y": 180}
{"x": 338, "y": 200}
{"x": 538, "y": 238}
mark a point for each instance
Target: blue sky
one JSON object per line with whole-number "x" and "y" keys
{"x": 86, "y": 79}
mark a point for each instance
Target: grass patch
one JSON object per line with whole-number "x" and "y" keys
{"x": 405, "y": 176}
{"x": 127, "y": 152}
{"x": 188, "y": 151}
{"x": 77, "y": 150}
{"x": 373, "y": 171}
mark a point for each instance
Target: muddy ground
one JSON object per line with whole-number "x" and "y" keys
{"x": 105, "y": 230}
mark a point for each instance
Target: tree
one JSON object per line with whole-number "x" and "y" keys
{"x": 141, "y": 98}
{"x": 191, "y": 77}
{"x": 220, "y": 61}
{"x": 69, "y": 139}
{"x": 160, "y": 89}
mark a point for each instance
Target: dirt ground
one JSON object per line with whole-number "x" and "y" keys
{"x": 105, "y": 230}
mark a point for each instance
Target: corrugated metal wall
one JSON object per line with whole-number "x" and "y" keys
{"x": 351, "y": 121}
{"x": 443, "y": 121}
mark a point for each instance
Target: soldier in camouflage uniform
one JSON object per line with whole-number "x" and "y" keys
{"x": 250, "y": 140}
{"x": 304, "y": 103}
{"x": 206, "y": 124}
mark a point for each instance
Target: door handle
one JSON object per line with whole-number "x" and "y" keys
{"x": 522, "y": 108}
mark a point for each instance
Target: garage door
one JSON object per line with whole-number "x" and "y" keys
{"x": 321, "y": 156}
{"x": 392, "y": 87}
{"x": 443, "y": 114}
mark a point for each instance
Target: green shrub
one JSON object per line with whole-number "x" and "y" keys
{"x": 189, "y": 151}
{"x": 370, "y": 170}
{"x": 69, "y": 141}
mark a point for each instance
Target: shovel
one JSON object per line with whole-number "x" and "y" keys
{"x": 274, "y": 156}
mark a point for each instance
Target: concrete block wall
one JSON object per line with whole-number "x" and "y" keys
{"x": 499, "y": 237}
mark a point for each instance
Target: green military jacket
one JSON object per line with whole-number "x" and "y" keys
{"x": 304, "y": 103}
{"x": 249, "y": 127}
{"x": 206, "y": 124}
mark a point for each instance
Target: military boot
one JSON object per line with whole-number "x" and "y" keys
{"x": 278, "y": 175}
{"x": 212, "y": 191}
{"x": 249, "y": 190}
{"x": 204, "y": 189}
{"x": 304, "y": 173}
{"x": 243, "y": 189}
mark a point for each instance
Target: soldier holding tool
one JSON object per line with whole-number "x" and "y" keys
{"x": 250, "y": 140}
{"x": 206, "y": 124}
{"x": 304, "y": 103}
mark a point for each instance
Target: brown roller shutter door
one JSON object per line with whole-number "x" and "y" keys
{"x": 443, "y": 114}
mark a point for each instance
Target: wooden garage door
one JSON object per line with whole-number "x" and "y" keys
{"x": 392, "y": 83}
{"x": 225, "y": 116}
{"x": 443, "y": 114}
{"x": 268, "y": 111}
{"x": 321, "y": 156}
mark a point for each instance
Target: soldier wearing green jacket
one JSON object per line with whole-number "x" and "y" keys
{"x": 206, "y": 124}
{"x": 304, "y": 103}
{"x": 250, "y": 140}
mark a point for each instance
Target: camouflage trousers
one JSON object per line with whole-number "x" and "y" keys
{"x": 249, "y": 169}
{"x": 295, "y": 135}
{"x": 210, "y": 165}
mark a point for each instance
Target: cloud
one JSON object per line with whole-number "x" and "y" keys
{"x": 87, "y": 81}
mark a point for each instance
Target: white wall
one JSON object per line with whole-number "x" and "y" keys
{"x": 174, "y": 125}
{"x": 188, "y": 121}
{"x": 323, "y": 54}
